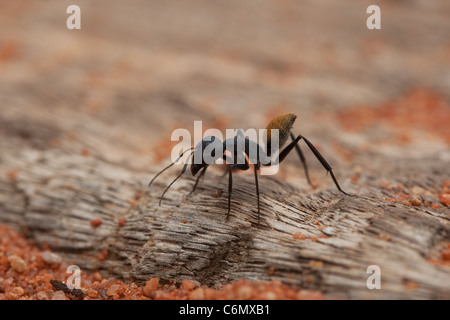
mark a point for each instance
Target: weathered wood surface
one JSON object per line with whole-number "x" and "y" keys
{"x": 83, "y": 131}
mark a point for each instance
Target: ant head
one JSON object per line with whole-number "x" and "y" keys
{"x": 284, "y": 124}
{"x": 208, "y": 150}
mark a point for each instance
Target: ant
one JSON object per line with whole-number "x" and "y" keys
{"x": 240, "y": 147}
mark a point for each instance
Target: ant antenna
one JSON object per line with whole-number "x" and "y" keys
{"x": 181, "y": 173}
{"x": 150, "y": 183}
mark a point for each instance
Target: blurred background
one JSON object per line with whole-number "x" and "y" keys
{"x": 137, "y": 70}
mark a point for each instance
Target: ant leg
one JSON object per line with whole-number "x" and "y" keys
{"x": 181, "y": 173}
{"x": 257, "y": 189}
{"x": 257, "y": 193}
{"x": 324, "y": 164}
{"x": 319, "y": 157}
{"x": 202, "y": 173}
{"x": 243, "y": 166}
{"x": 287, "y": 150}
{"x": 228, "y": 163}
{"x": 302, "y": 159}
{"x": 230, "y": 188}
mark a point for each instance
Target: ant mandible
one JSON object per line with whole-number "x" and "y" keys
{"x": 239, "y": 146}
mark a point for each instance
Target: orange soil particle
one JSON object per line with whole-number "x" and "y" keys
{"x": 9, "y": 51}
{"x": 445, "y": 257}
{"x": 103, "y": 255}
{"x": 435, "y": 205}
{"x": 26, "y": 273}
{"x": 12, "y": 175}
{"x": 411, "y": 285}
{"x": 397, "y": 200}
{"x": 122, "y": 222}
{"x": 385, "y": 184}
{"x": 444, "y": 196}
{"x": 415, "y": 200}
{"x": 400, "y": 195}
{"x": 151, "y": 286}
{"x": 439, "y": 262}
{"x": 271, "y": 271}
{"x": 137, "y": 197}
{"x": 418, "y": 109}
{"x": 96, "y": 222}
{"x": 71, "y": 136}
{"x": 446, "y": 254}
{"x": 445, "y": 199}
{"x": 383, "y": 237}
{"x": 188, "y": 284}
{"x": 84, "y": 152}
{"x": 355, "y": 178}
{"x": 299, "y": 235}
{"x": 315, "y": 264}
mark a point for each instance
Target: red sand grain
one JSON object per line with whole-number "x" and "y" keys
{"x": 84, "y": 152}
{"x": 122, "y": 222}
{"x": 444, "y": 196}
{"x": 299, "y": 235}
{"x": 446, "y": 254}
{"x": 96, "y": 222}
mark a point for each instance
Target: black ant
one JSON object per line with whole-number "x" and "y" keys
{"x": 240, "y": 147}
